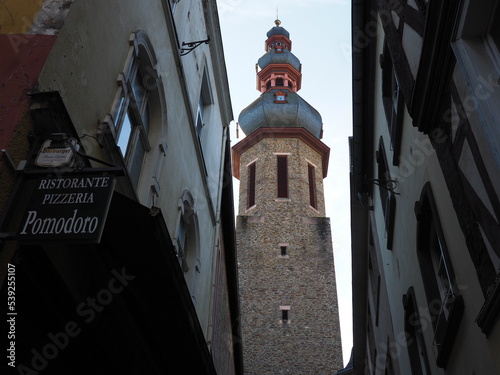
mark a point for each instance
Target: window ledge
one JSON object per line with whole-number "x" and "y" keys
{"x": 490, "y": 312}
{"x": 251, "y": 208}
{"x": 314, "y": 209}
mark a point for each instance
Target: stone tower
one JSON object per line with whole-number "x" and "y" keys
{"x": 289, "y": 311}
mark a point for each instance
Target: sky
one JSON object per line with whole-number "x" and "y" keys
{"x": 320, "y": 31}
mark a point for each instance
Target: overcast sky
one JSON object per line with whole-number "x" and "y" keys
{"x": 321, "y": 36}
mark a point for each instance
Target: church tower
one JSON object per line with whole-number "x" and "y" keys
{"x": 289, "y": 311}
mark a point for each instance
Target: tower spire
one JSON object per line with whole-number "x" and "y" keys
{"x": 279, "y": 78}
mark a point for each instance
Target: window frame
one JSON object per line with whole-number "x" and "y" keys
{"x": 205, "y": 100}
{"x": 445, "y": 322}
{"x": 417, "y": 350}
{"x": 313, "y": 196}
{"x": 285, "y": 316}
{"x": 251, "y": 184}
{"x": 187, "y": 241}
{"x": 282, "y": 189}
{"x": 387, "y": 195}
{"x": 138, "y": 114}
{"x": 393, "y": 102}
{"x": 139, "y": 100}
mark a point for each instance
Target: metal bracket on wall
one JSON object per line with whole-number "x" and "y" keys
{"x": 192, "y": 45}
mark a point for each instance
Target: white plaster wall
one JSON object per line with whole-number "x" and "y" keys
{"x": 84, "y": 65}
{"x": 412, "y": 45}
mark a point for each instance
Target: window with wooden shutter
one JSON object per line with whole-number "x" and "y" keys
{"x": 282, "y": 176}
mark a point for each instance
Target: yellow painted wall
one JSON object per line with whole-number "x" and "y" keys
{"x": 16, "y": 16}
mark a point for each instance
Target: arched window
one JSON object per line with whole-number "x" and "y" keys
{"x": 279, "y": 82}
{"x": 138, "y": 108}
{"x": 187, "y": 242}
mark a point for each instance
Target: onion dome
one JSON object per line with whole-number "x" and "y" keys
{"x": 267, "y": 112}
{"x": 278, "y": 30}
{"x": 280, "y": 57}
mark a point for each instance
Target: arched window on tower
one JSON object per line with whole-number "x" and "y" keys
{"x": 279, "y": 82}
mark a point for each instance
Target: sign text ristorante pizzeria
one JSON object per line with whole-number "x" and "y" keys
{"x": 67, "y": 209}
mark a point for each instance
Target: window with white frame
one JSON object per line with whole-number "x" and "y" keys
{"x": 204, "y": 101}
{"x": 133, "y": 124}
{"x": 137, "y": 107}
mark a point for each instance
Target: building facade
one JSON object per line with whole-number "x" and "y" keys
{"x": 289, "y": 312}
{"x": 117, "y": 226}
{"x": 424, "y": 189}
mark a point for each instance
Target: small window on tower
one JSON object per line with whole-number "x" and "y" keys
{"x": 285, "y": 318}
{"x": 280, "y": 96}
{"x": 283, "y": 250}
{"x": 284, "y": 315}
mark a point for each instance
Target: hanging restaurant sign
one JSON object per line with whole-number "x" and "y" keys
{"x": 69, "y": 208}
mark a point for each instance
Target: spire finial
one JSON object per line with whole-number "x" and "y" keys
{"x": 277, "y": 22}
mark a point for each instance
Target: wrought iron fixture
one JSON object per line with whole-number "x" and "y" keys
{"x": 390, "y": 185}
{"x": 192, "y": 45}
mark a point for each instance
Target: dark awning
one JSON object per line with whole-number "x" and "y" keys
{"x": 120, "y": 307}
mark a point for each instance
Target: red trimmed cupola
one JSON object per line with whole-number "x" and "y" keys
{"x": 279, "y": 78}
{"x": 278, "y": 68}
